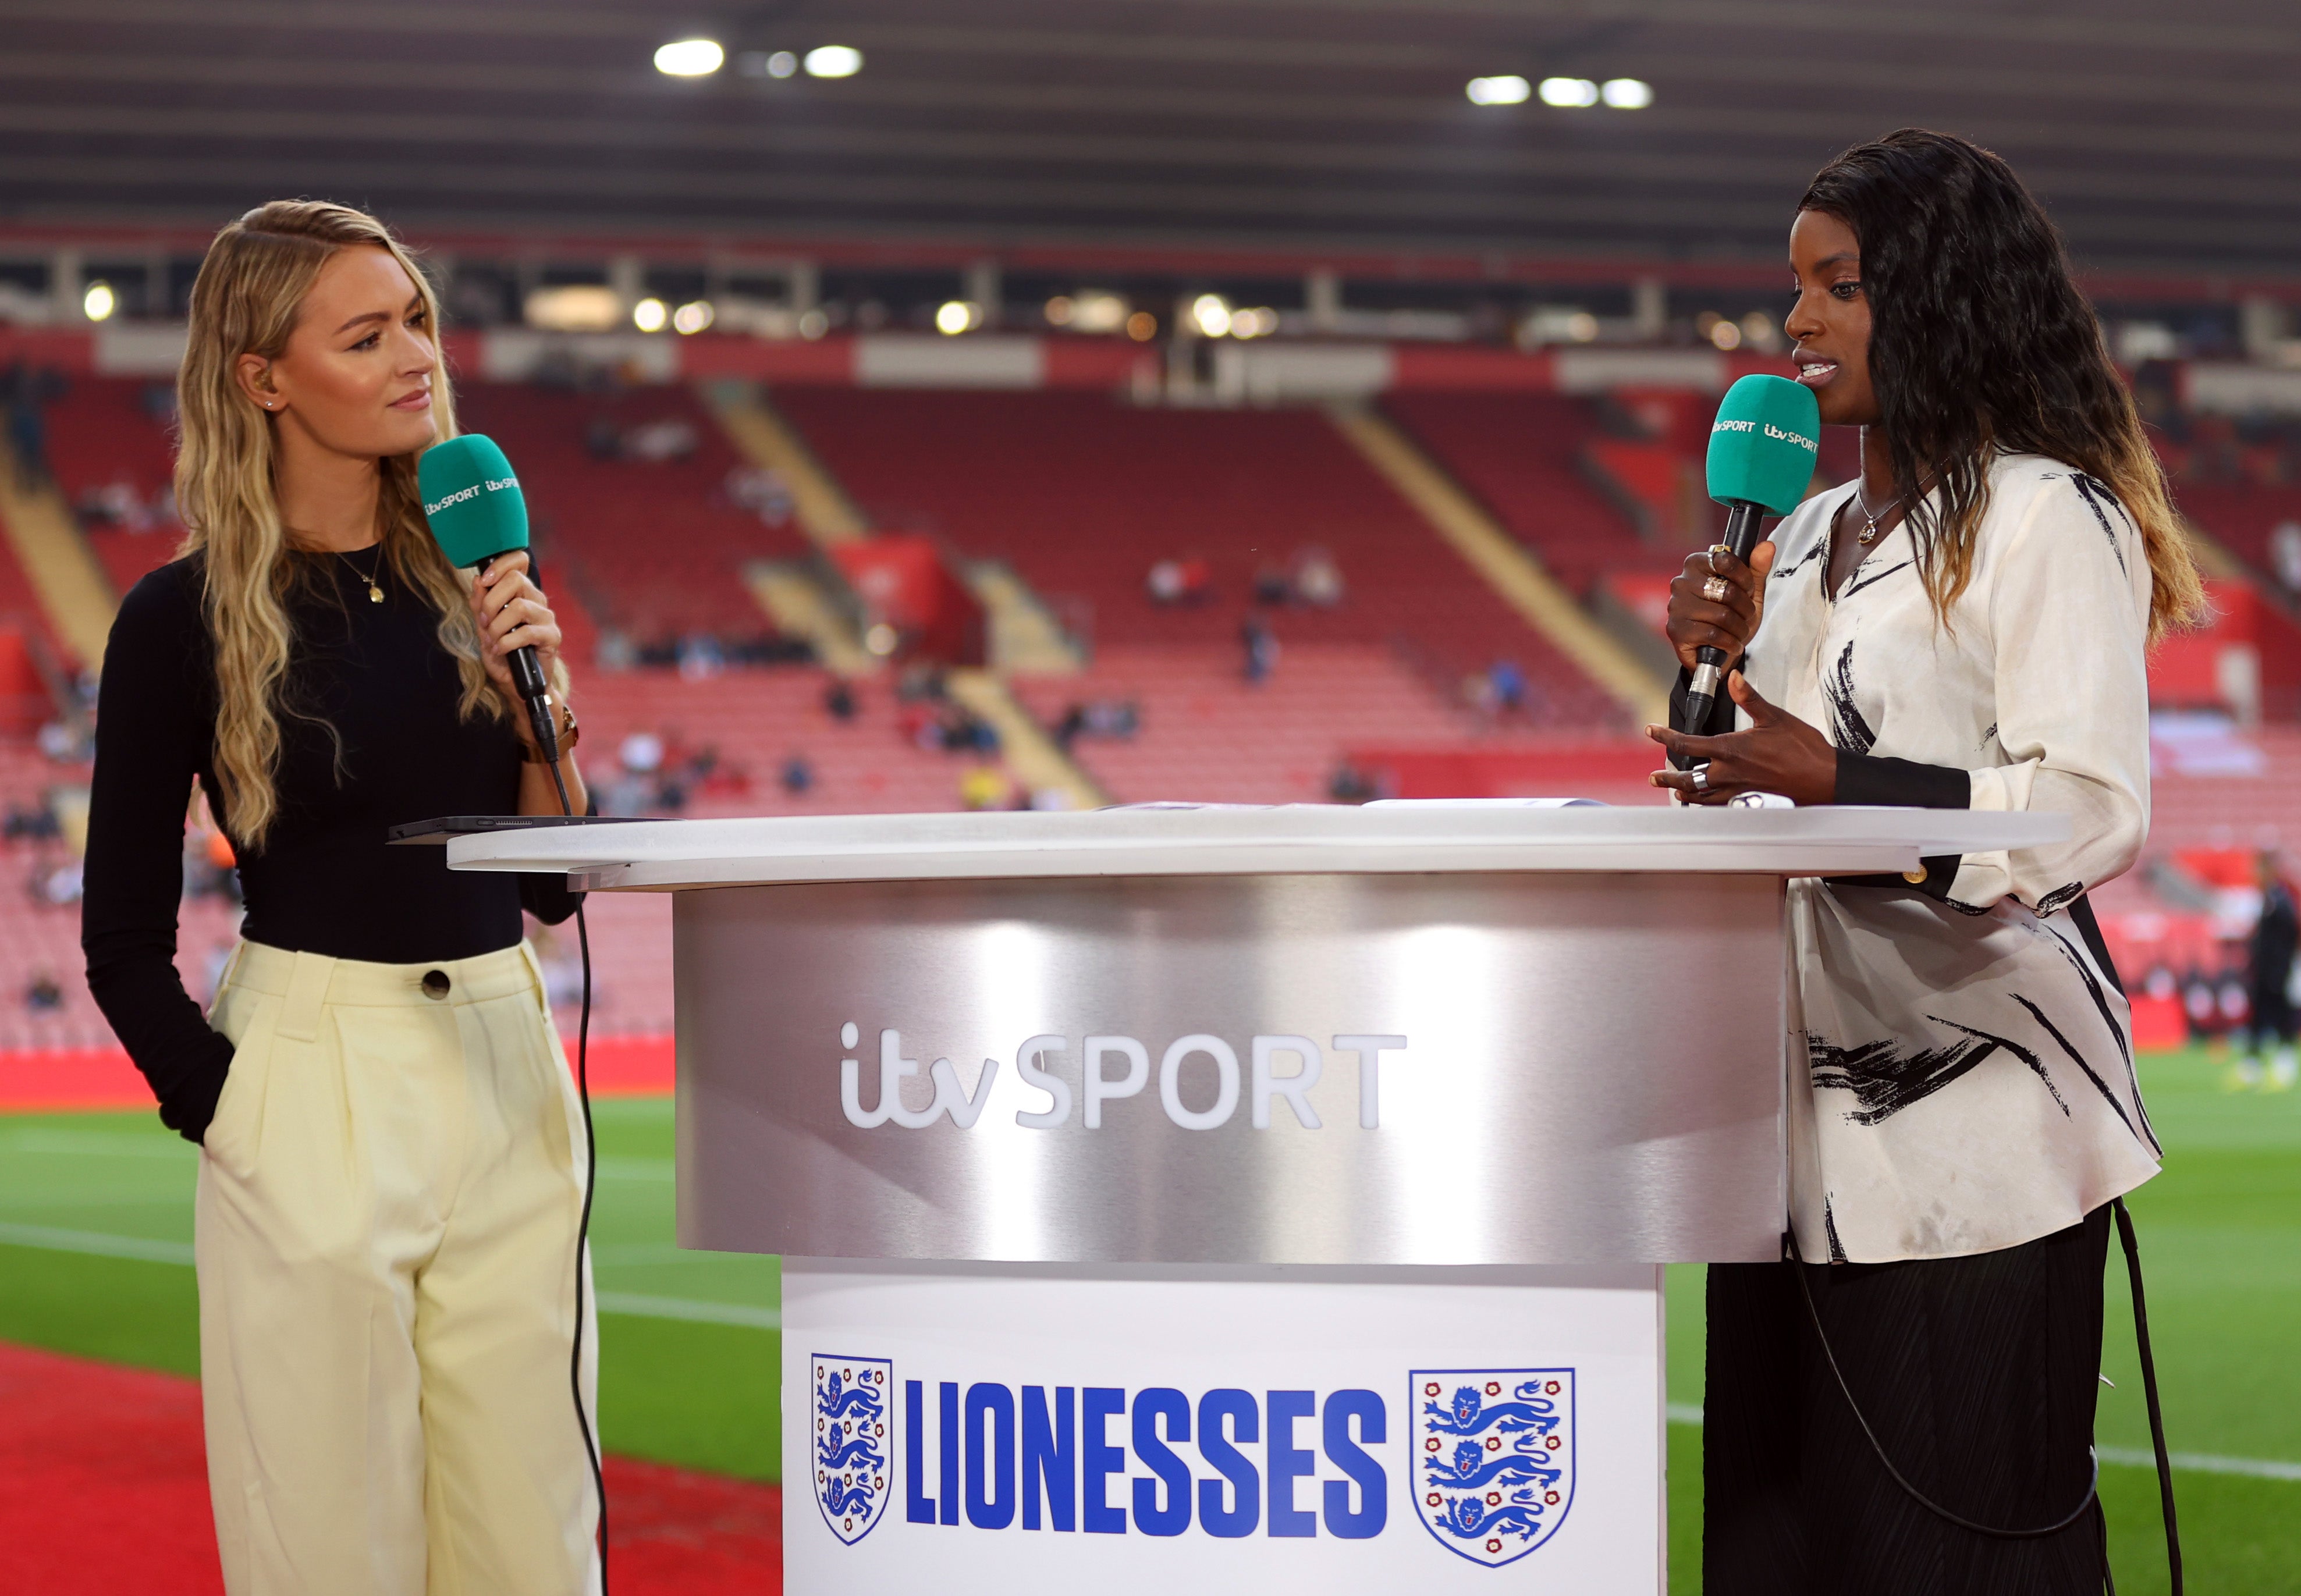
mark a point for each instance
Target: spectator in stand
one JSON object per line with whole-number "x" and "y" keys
{"x": 2267, "y": 1059}
{"x": 2198, "y": 1006}
{"x": 1271, "y": 586}
{"x": 1261, "y": 647}
{"x": 986, "y": 787}
{"x": 2285, "y": 556}
{"x": 1174, "y": 582}
{"x": 1509, "y": 685}
{"x": 27, "y": 393}
{"x": 673, "y": 438}
{"x": 1351, "y": 785}
{"x": 700, "y": 657}
{"x": 641, "y": 753}
{"x": 1317, "y": 579}
{"x": 839, "y": 701}
{"x": 761, "y": 491}
{"x": 796, "y": 776}
{"x": 36, "y": 823}
{"x": 1115, "y": 718}
{"x": 616, "y": 651}
{"x": 43, "y": 996}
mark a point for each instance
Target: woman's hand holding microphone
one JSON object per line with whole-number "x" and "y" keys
{"x": 510, "y": 612}
{"x": 1717, "y": 601}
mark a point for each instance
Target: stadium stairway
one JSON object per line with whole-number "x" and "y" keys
{"x": 1038, "y": 762}
{"x": 1023, "y": 633}
{"x": 794, "y": 597}
{"x": 1522, "y": 457}
{"x": 1507, "y": 565}
{"x": 72, "y": 592}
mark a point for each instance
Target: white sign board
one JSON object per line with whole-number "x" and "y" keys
{"x": 1139, "y": 1431}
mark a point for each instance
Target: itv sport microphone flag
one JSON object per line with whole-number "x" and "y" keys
{"x": 472, "y": 499}
{"x": 1763, "y": 446}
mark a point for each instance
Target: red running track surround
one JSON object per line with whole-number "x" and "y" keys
{"x": 103, "y": 1489}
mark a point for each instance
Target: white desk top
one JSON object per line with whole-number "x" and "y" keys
{"x": 1282, "y": 839}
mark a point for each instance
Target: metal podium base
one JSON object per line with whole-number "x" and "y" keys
{"x": 1158, "y": 1429}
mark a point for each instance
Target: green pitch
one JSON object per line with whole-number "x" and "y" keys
{"x": 96, "y": 1224}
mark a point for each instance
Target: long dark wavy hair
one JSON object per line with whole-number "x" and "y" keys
{"x": 1981, "y": 344}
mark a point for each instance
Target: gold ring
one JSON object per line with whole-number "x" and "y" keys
{"x": 1713, "y": 588}
{"x": 1715, "y": 550}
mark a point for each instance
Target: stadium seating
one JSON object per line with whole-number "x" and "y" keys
{"x": 654, "y": 546}
{"x": 2240, "y": 516}
{"x": 1081, "y": 493}
{"x": 1523, "y": 456}
{"x": 1208, "y": 736}
{"x": 110, "y": 433}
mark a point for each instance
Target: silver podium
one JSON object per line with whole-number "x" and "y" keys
{"x": 1268, "y": 1198}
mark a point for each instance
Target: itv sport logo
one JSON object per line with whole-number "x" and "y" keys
{"x": 1490, "y": 1465}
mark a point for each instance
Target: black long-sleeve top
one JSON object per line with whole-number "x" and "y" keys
{"x": 370, "y": 737}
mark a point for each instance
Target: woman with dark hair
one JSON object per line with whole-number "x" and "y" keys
{"x": 1963, "y": 625}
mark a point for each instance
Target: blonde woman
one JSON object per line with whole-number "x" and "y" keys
{"x": 392, "y": 1158}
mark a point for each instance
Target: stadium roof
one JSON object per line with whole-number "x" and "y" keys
{"x": 2165, "y": 139}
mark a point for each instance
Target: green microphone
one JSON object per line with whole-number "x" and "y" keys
{"x": 1762, "y": 448}
{"x": 472, "y": 501}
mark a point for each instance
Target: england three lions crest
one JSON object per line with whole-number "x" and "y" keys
{"x": 1494, "y": 1460}
{"x": 854, "y": 1441}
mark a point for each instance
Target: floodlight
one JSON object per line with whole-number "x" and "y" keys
{"x": 690, "y": 58}
{"x": 1510, "y": 90}
{"x": 693, "y": 316}
{"x": 1572, "y": 92}
{"x": 1627, "y": 93}
{"x": 955, "y": 316}
{"x": 1211, "y": 314}
{"x": 99, "y": 302}
{"x": 650, "y": 315}
{"x": 833, "y": 61}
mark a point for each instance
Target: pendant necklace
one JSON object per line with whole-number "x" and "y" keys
{"x": 1871, "y": 518}
{"x": 375, "y": 593}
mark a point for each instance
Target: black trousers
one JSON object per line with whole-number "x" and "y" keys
{"x": 1979, "y": 1375}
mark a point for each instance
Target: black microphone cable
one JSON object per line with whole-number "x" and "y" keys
{"x": 2093, "y": 1486}
{"x": 590, "y": 1175}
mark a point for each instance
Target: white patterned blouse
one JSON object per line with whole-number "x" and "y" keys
{"x": 1967, "y": 1059}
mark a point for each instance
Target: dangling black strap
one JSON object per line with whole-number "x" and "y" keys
{"x": 2093, "y": 1485}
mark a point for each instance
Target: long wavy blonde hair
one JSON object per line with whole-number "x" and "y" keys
{"x": 250, "y": 290}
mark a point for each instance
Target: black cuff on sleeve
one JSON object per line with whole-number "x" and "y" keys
{"x": 1901, "y": 783}
{"x": 191, "y": 1106}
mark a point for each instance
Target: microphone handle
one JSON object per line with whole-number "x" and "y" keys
{"x": 534, "y": 691}
{"x": 1743, "y": 521}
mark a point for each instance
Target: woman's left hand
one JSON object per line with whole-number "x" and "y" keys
{"x": 1780, "y": 753}
{"x": 511, "y": 614}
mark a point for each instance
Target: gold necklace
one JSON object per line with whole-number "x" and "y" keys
{"x": 374, "y": 593}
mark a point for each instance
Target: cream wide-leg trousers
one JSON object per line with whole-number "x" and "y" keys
{"x": 386, "y": 1241}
